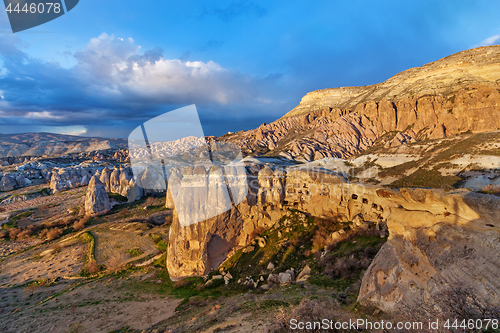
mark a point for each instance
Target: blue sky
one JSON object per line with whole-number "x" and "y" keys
{"x": 108, "y": 66}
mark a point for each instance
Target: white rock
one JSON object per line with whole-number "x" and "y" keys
{"x": 285, "y": 278}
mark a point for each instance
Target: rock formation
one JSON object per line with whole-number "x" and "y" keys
{"x": 198, "y": 248}
{"x": 7, "y": 183}
{"x": 440, "y": 245}
{"x": 118, "y": 180}
{"x": 442, "y": 256}
{"x": 70, "y": 177}
{"x": 96, "y": 198}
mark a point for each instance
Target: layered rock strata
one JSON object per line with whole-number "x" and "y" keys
{"x": 440, "y": 244}
{"x": 453, "y": 95}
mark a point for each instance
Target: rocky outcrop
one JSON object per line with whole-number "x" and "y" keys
{"x": 441, "y": 244}
{"x": 442, "y": 256}
{"x": 70, "y": 177}
{"x": 198, "y": 248}
{"x": 96, "y": 198}
{"x": 119, "y": 180}
{"x": 7, "y": 183}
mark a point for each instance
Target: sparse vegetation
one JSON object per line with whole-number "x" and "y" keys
{"x": 311, "y": 310}
{"x": 135, "y": 252}
{"x": 80, "y": 224}
{"x": 428, "y": 178}
{"x": 91, "y": 267}
{"x": 54, "y": 234}
{"x": 117, "y": 197}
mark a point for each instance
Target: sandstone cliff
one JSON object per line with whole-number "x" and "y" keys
{"x": 442, "y": 250}
{"x": 198, "y": 248}
{"x": 442, "y": 256}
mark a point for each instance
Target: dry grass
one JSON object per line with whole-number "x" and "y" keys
{"x": 182, "y": 283}
{"x": 4, "y": 234}
{"x": 311, "y": 310}
{"x": 26, "y": 233}
{"x": 67, "y": 220}
{"x": 150, "y": 201}
{"x": 92, "y": 267}
{"x": 115, "y": 264}
{"x": 54, "y": 234}
{"x": 14, "y": 232}
{"x": 80, "y": 224}
{"x": 322, "y": 234}
{"x": 57, "y": 247}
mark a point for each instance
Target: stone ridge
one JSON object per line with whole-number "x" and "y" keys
{"x": 450, "y": 96}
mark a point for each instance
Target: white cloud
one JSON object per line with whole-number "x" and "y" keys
{"x": 491, "y": 40}
{"x": 115, "y": 67}
{"x": 43, "y": 115}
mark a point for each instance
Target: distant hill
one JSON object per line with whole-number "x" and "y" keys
{"x": 51, "y": 144}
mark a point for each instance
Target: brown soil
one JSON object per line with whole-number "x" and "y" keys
{"x": 46, "y": 262}
{"x": 72, "y": 306}
{"x": 115, "y": 240}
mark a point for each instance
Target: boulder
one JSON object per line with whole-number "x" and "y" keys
{"x": 273, "y": 279}
{"x": 304, "y": 274}
{"x": 7, "y": 183}
{"x": 285, "y": 278}
{"x": 133, "y": 192}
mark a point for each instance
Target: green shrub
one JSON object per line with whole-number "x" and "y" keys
{"x": 117, "y": 197}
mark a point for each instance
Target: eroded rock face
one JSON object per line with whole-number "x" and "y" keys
{"x": 442, "y": 256}
{"x": 67, "y": 178}
{"x": 453, "y": 95}
{"x": 196, "y": 249}
{"x": 96, "y": 198}
{"x": 440, "y": 245}
{"x": 318, "y": 135}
